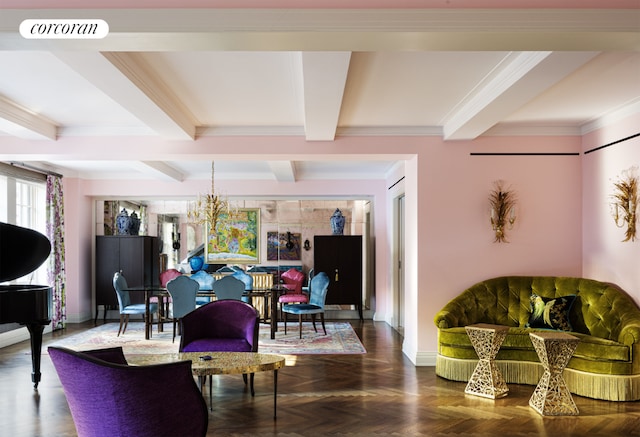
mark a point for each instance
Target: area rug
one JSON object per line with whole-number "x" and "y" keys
{"x": 340, "y": 339}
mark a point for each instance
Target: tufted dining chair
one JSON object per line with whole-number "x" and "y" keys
{"x": 183, "y": 291}
{"x": 319, "y": 286}
{"x": 126, "y": 308}
{"x": 109, "y": 398}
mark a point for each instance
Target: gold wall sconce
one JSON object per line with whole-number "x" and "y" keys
{"x": 503, "y": 212}
{"x": 625, "y": 202}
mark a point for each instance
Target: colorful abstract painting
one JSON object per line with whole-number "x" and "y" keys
{"x": 236, "y": 239}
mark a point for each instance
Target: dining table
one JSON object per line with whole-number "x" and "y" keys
{"x": 269, "y": 295}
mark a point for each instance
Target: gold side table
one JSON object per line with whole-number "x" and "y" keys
{"x": 551, "y": 396}
{"x": 487, "y": 380}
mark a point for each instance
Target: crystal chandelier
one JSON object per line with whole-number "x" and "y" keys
{"x": 208, "y": 207}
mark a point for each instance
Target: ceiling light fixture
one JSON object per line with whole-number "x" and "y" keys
{"x": 208, "y": 207}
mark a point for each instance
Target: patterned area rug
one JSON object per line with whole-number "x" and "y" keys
{"x": 340, "y": 339}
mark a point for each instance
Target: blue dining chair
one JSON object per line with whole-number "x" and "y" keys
{"x": 126, "y": 308}
{"x": 318, "y": 286}
{"x": 247, "y": 279}
{"x": 205, "y": 282}
{"x": 183, "y": 291}
{"x": 228, "y": 287}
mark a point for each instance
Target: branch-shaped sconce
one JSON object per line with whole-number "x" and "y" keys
{"x": 503, "y": 213}
{"x": 625, "y": 202}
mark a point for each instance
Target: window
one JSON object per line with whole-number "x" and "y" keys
{"x": 23, "y": 203}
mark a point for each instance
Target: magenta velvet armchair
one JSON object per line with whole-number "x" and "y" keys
{"x": 108, "y": 398}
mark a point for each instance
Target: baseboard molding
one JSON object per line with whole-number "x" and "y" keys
{"x": 18, "y": 335}
{"x": 426, "y": 359}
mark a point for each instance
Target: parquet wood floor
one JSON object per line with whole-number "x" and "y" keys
{"x": 377, "y": 394}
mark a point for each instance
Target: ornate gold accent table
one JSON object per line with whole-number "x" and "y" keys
{"x": 487, "y": 380}
{"x": 219, "y": 363}
{"x": 551, "y": 396}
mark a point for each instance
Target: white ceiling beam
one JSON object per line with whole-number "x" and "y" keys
{"x": 324, "y": 78}
{"x": 284, "y": 171}
{"x": 158, "y": 170}
{"x": 338, "y": 29}
{"x": 521, "y": 77}
{"x": 126, "y": 79}
{"x": 17, "y": 121}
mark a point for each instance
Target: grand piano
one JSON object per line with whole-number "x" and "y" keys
{"x": 22, "y": 251}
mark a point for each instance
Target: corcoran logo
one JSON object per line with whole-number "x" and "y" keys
{"x": 64, "y": 29}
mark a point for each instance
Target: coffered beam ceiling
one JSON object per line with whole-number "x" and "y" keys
{"x": 343, "y": 72}
{"x": 518, "y": 79}
{"x": 126, "y": 78}
{"x": 22, "y": 123}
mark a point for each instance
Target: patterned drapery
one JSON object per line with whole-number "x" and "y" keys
{"x": 55, "y": 233}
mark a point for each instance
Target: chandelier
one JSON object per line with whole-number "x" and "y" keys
{"x": 208, "y": 207}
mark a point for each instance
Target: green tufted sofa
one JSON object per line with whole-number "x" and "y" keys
{"x": 606, "y": 363}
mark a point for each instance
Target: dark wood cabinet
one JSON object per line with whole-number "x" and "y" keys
{"x": 340, "y": 257}
{"x": 136, "y": 257}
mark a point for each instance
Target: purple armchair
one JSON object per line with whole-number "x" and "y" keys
{"x": 108, "y": 398}
{"x": 221, "y": 326}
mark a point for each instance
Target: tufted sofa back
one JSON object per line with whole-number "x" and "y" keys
{"x": 601, "y": 309}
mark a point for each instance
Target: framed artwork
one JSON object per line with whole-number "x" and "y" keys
{"x": 236, "y": 239}
{"x": 283, "y": 246}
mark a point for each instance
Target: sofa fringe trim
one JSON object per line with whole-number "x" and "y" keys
{"x": 605, "y": 387}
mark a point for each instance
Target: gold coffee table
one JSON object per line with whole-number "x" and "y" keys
{"x": 487, "y": 380}
{"x": 221, "y": 363}
{"x": 551, "y": 396}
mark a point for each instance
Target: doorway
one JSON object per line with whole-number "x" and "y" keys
{"x": 399, "y": 295}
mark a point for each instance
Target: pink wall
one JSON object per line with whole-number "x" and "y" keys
{"x": 78, "y": 219}
{"x": 605, "y": 256}
{"x": 449, "y": 242}
{"x": 454, "y": 239}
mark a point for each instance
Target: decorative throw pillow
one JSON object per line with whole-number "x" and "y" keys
{"x": 551, "y": 313}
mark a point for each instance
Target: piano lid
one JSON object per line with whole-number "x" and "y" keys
{"x": 22, "y": 250}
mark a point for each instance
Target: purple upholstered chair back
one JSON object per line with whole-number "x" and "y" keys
{"x": 108, "y": 398}
{"x": 221, "y": 326}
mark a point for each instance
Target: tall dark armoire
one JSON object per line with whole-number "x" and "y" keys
{"x": 136, "y": 257}
{"x": 340, "y": 257}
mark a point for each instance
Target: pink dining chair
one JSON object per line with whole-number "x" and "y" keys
{"x": 293, "y": 280}
{"x": 168, "y": 275}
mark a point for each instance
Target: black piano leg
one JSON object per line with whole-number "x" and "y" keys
{"x": 35, "y": 332}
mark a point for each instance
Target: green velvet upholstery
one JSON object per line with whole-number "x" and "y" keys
{"x": 606, "y": 363}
